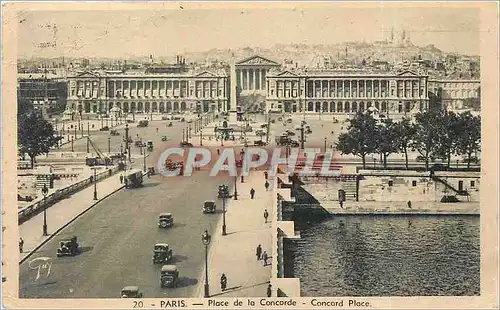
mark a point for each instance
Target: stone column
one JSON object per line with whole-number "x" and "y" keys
{"x": 263, "y": 78}
{"x": 248, "y": 78}
{"x": 257, "y": 79}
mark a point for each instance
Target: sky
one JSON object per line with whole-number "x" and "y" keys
{"x": 125, "y": 33}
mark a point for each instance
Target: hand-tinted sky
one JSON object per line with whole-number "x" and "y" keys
{"x": 167, "y": 32}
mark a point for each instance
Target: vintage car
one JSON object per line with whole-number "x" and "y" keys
{"x": 165, "y": 220}
{"x": 138, "y": 143}
{"x": 143, "y": 123}
{"x": 131, "y": 292}
{"x": 169, "y": 124}
{"x": 209, "y": 206}
{"x": 114, "y": 132}
{"x": 134, "y": 179}
{"x": 186, "y": 144}
{"x": 162, "y": 254}
{"x": 105, "y": 128}
{"x": 169, "y": 276}
{"x": 151, "y": 171}
{"x": 68, "y": 247}
{"x": 259, "y": 143}
{"x": 164, "y": 138}
{"x": 149, "y": 145}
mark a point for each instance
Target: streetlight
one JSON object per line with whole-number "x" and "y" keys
{"x": 144, "y": 158}
{"x": 201, "y": 134}
{"x": 45, "y": 190}
{"x": 72, "y": 148}
{"x": 95, "y": 183}
{"x": 109, "y": 144}
{"x": 235, "y": 189}
{"x": 325, "y": 144}
{"x": 121, "y": 149}
{"x": 205, "y": 238}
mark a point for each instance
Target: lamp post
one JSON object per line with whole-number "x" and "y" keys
{"x": 144, "y": 158}
{"x": 235, "y": 189}
{"x": 325, "y": 144}
{"x": 205, "y": 238}
{"x": 72, "y": 148}
{"x": 121, "y": 149}
{"x": 88, "y": 128}
{"x": 127, "y": 148}
{"x": 95, "y": 183}
{"x": 88, "y": 141}
{"x": 45, "y": 190}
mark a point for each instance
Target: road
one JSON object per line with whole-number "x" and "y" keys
{"x": 118, "y": 235}
{"x": 117, "y": 238}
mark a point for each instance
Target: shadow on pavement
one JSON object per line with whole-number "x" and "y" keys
{"x": 84, "y": 249}
{"x": 150, "y": 184}
{"x": 183, "y": 282}
{"x": 178, "y": 258}
{"x": 239, "y": 288}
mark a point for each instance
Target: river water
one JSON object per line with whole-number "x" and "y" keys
{"x": 389, "y": 256}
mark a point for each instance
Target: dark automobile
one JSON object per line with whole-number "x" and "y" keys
{"x": 68, "y": 247}
{"x": 143, "y": 123}
{"x": 162, "y": 254}
{"x": 169, "y": 276}
{"x": 114, "y": 132}
{"x": 165, "y": 220}
{"x": 209, "y": 206}
{"x": 186, "y": 144}
{"x": 131, "y": 292}
{"x": 259, "y": 143}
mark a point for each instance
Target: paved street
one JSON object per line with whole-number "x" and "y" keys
{"x": 117, "y": 238}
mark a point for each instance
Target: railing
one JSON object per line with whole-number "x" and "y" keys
{"x": 33, "y": 209}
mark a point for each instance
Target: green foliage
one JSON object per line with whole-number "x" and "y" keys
{"x": 387, "y": 138}
{"x": 360, "y": 138}
{"x": 35, "y": 135}
{"x": 405, "y": 131}
{"x": 469, "y": 141}
{"x": 427, "y": 131}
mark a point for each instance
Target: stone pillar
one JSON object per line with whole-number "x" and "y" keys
{"x": 314, "y": 88}
{"x": 263, "y": 78}
{"x": 256, "y": 77}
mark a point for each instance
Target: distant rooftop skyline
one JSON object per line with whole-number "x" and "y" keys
{"x": 122, "y": 34}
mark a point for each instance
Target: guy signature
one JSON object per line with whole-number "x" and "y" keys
{"x": 42, "y": 265}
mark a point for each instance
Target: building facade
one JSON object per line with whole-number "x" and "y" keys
{"x": 457, "y": 95}
{"x": 345, "y": 92}
{"x": 41, "y": 89}
{"x": 147, "y": 92}
{"x": 251, "y": 74}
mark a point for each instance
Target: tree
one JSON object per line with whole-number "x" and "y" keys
{"x": 360, "y": 138}
{"x": 386, "y": 138}
{"x": 426, "y": 135}
{"x": 35, "y": 136}
{"x": 469, "y": 139}
{"x": 405, "y": 132}
{"x": 449, "y": 131}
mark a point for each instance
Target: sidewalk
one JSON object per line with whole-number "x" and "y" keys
{"x": 234, "y": 254}
{"x": 66, "y": 210}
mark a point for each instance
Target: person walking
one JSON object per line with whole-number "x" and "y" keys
{"x": 264, "y": 258}
{"x": 258, "y": 252}
{"x": 21, "y": 244}
{"x": 266, "y": 185}
{"x": 266, "y": 215}
{"x": 156, "y": 130}
{"x": 242, "y": 179}
{"x": 269, "y": 290}
{"x": 252, "y": 193}
{"x": 223, "y": 282}
{"x": 121, "y": 178}
{"x": 265, "y": 175}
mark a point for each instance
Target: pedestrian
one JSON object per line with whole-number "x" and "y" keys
{"x": 21, "y": 244}
{"x": 126, "y": 183}
{"x": 258, "y": 252}
{"x": 269, "y": 290}
{"x": 409, "y": 204}
{"x": 266, "y": 185}
{"x": 252, "y": 193}
{"x": 223, "y": 282}
{"x": 242, "y": 179}
{"x": 264, "y": 258}
{"x": 121, "y": 178}
{"x": 265, "y": 174}
{"x": 266, "y": 215}
{"x": 156, "y": 130}
{"x": 218, "y": 152}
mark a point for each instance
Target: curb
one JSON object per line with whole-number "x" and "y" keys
{"x": 67, "y": 224}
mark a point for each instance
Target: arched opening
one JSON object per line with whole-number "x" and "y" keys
{"x": 155, "y": 107}
{"x": 125, "y": 107}
{"x": 310, "y": 107}
{"x": 339, "y": 107}
{"x": 317, "y": 107}
{"x": 347, "y": 107}
{"x": 110, "y": 106}
{"x": 377, "y": 105}
{"x": 361, "y": 107}
{"x": 183, "y": 106}
{"x": 176, "y": 106}
{"x": 325, "y": 106}
{"x": 169, "y": 107}
{"x": 133, "y": 108}
{"x": 332, "y": 106}
{"x": 369, "y": 104}
{"x": 384, "y": 106}
{"x": 354, "y": 107}
{"x": 140, "y": 107}
{"x": 147, "y": 107}
{"x": 87, "y": 107}
{"x": 162, "y": 107}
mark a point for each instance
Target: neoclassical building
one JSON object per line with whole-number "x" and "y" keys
{"x": 453, "y": 94}
{"x": 148, "y": 91}
{"x": 251, "y": 74}
{"x": 344, "y": 92}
